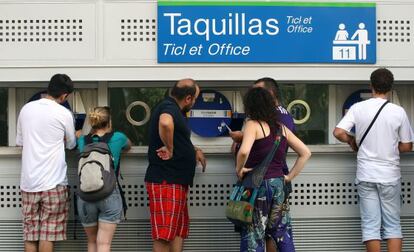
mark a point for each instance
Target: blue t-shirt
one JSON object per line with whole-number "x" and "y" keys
{"x": 118, "y": 142}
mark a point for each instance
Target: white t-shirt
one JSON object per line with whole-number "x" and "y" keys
{"x": 42, "y": 128}
{"x": 378, "y": 157}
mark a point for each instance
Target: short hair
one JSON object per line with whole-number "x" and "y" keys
{"x": 59, "y": 84}
{"x": 180, "y": 91}
{"x": 271, "y": 85}
{"x": 382, "y": 80}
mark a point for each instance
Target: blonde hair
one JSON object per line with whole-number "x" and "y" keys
{"x": 100, "y": 118}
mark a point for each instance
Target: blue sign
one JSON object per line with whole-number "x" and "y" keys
{"x": 211, "y": 114}
{"x": 266, "y": 32}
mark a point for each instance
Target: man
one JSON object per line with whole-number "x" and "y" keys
{"x": 44, "y": 127}
{"x": 172, "y": 160}
{"x": 378, "y": 177}
{"x": 284, "y": 231}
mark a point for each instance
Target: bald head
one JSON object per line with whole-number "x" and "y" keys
{"x": 184, "y": 88}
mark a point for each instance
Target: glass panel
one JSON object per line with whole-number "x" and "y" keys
{"x": 308, "y": 104}
{"x": 3, "y": 117}
{"x": 121, "y": 98}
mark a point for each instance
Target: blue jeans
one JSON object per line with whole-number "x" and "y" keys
{"x": 108, "y": 210}
{"x": 380, "y": 205}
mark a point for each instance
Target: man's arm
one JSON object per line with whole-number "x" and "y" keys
{"x": 405, "y": 147}
{"x": 70, "y": 137}
{"x": 166, "y": 132}
{"x": 19, "y": 135}
{"x": 200, "y": 158}
{"x": 406, "y": 135}
{"x": 342, "y": 135}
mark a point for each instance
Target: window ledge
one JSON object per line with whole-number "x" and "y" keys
{"x": 207, "y": 149}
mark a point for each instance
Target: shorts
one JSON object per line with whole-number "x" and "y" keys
{"x": 168, "y": 210}
{"x": 380, "y": 206}
{"x": 108, "y": 210}
{"x": 45, "y": 214}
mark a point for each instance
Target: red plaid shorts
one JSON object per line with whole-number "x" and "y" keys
{"x": 45, "y": 214}
{"x": 168, "y": 210}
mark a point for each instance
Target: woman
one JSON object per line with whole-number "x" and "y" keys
{"x": 100, "y": 218}
{"x": 258, "y": 138}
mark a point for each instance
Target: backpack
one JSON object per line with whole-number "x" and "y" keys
{"x": 96, "y": 178}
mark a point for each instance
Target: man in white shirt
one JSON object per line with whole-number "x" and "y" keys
{"x": 44, "y": 128}
{"x": 378, "y": 177}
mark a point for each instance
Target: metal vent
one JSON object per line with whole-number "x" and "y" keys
{"x": 213, "y": 195}
{"x": 321, "y": 194}
{"x": 201, "y": 195}
{"x": 41, "y": 30}
{"x": 316, "y": 235}
{"x": 10, "y": 196}
{"x": 138, "y": 30}
{"x": 396, "y": 31}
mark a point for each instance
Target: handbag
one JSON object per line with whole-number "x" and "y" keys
{"x": 240, "y": 206}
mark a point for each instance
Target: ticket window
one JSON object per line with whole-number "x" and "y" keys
{"x": 3, "y": 117}
{"x": 309, "y": 106}
{"x": 131, "y": 106}
{"x": 348, "y": 94}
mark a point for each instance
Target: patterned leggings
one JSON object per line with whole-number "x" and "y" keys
{"x": 271, "y": 218}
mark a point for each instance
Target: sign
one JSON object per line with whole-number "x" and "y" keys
{"x": 266, "y": 32}
{"x": 210, "y": 113}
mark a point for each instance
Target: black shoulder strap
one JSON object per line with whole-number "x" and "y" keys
{"x": 372, "y": 122}
{"x": 107, "y": 137}
{"x": 264, "y": 134}
{"x": 88, "y": 139}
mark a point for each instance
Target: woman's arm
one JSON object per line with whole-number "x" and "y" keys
{"x": 249, "y": 135}
{"x": 301, "y": 149}
{"x": 127, "y": 146}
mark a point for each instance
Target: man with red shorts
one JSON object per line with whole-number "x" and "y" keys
{"x": 44, "y": 128}
{"x": 172, "y": 160}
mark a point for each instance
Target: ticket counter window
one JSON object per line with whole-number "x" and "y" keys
{"x": 3, "y": 117}
{"x": 308, "y": 104}
{"x": 130, "y": 110}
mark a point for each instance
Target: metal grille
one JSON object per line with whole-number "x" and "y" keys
{"x": 321, "y": 194}
{"x": 10, "y": 196}
{"x": 41, "y": 30}
{"x": 213, "y": 195}
{"x": 396, "y": 31}
{"x": 138, "y": 30}
{"x": 335, "y": 234}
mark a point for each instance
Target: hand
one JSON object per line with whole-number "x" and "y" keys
{"x": 287, "y": 179}
{"x": 201, "y": 159}
{"x": 78, "y": 133}
{"x": 242, "y": 172}
{"x": 234, "y": 148}
{"x": 164, "y": 153}
{"x": 353, "y": 144}
{"x": 237, "y": 136}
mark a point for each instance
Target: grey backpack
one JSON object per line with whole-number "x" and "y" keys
{"x": 96, "y": 174}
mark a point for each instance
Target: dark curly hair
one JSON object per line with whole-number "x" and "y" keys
{"x": 259, "y": 105}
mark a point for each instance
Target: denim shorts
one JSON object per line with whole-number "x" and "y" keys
{"x": 380, "y": 206}
{"x": 108, "y": 210}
